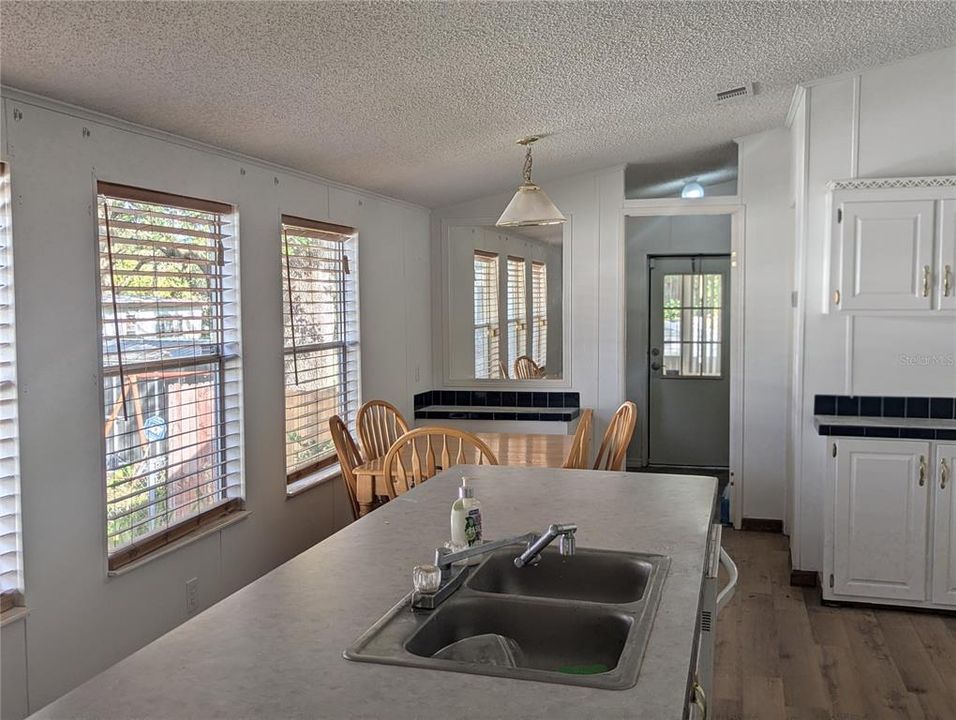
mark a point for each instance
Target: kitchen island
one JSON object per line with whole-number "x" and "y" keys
{"x": 274, "y": 648}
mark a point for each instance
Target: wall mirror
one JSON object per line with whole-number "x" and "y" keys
{"x": 505, "y": 309}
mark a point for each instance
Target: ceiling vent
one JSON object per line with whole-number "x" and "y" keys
{"x": 737, "y": 92}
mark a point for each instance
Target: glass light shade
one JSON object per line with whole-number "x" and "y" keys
{"x": 530, "y": 206}
{"x": 692, "y": 190}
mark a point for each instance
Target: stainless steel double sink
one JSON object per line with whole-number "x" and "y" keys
{"x": 578, "y": 620}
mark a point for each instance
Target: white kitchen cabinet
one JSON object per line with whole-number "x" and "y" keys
{"x": 880, "y": 518}
{"x": 946, "y": 265}
{"x": 885, "y": 254}
{"x": 944, "y": 530}
{"x": 892, "y": 245}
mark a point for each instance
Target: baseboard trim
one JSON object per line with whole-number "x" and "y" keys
{"x": 804, "y": 578}
{"x": 761, "y": 525}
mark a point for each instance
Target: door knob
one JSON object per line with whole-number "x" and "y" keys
{"x": 655, "y": 365}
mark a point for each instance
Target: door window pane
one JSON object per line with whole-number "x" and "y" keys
{"x": 692, "y": 324}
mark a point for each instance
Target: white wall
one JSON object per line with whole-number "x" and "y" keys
{"x": 895, "y": 120}
{"x": 597, "y": 272}
{"x": 657, "y": 235}
{"x": 80, "y": 620}
{"x": 768, "y": 231}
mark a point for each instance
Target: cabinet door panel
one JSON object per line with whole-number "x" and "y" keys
{"x": 944, "y": 532}
{"x": 886, "y": 255}
{"x": 880, "y": 519}
{"x": 946, "y": 267}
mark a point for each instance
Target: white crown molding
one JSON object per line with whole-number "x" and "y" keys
{"x": 930, "y": 181}
{"x": 41, "y": 101}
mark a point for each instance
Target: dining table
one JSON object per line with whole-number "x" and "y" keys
{"x": 540, "y": 450}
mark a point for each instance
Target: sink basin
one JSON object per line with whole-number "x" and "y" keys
{"x": 591, "y": 575}
{"x": 579, "y": 620}
{"x": 553, "y": 638}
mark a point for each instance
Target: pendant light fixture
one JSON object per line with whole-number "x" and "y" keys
{"x": 530, "y": 205}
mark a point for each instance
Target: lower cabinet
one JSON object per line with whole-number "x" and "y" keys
{"x": 890, "y": 522}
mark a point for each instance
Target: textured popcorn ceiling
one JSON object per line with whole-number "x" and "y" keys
{"x": 424, "y": 101}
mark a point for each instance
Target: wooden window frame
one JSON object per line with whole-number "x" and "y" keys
{"x": 344, "y": 345}
{"x": 12, "y": 596}
{"x": 224, "y": 364}
{"x": 539, "y": 316}
{"x": 494, "y": 328}
{"x": 520, "y": 321}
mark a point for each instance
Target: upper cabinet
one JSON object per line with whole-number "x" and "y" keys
{"x": 892, "y": 245}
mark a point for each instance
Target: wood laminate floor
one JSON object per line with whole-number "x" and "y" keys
{"x": 781, "y": 655}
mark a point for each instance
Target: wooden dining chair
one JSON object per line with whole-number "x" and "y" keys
{"x": 379, "y": 425}
{"x": 349, "y": 459}
{"x": 618, "y": 436}
{"x": 503, "y": 371}
{"x": 423, "y": 452}
{"x": 581, "y": 445}
{"x": 526, "y": 368}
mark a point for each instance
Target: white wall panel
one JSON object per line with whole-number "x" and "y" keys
{"x": 81, "y": 621}
{"x": 893, "y": 120}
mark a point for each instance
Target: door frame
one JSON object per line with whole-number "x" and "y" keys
{"x": 705, "y": 206}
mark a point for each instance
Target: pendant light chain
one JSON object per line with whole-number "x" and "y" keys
{"x": 527, "y": 166}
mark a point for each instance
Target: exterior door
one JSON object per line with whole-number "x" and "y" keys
{"x": 689, "y": 363}
{"x": 880, "y": 518}
{"x": 886, "y": 254}
{"x": 946, "y": 267}
{"x": 944, "y": 535}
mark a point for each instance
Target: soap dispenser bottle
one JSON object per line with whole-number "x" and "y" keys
{"x": 466, "y": 520}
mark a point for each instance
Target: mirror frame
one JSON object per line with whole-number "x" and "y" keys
{"x": 445, "y": 325}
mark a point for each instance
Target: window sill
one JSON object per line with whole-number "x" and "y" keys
{"x": 309, "y": 482}
{"x": 12, "y": 615}
{"x": 204, "y": 531}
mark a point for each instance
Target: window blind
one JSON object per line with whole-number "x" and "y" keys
{"x": 171, "y": 373}
{"x": 517, "y": 311}
{"x": 11, "y": 561}
{"x": 539, "y": 309}
{"x": 321, "y": 330}
{"x": 486, "y": 315}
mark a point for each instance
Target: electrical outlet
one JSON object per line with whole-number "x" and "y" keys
{"x": 192, "y": 595}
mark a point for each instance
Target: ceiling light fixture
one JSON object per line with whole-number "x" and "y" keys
{"x": 530, "y": 205}
{"x": 692, "y": 190}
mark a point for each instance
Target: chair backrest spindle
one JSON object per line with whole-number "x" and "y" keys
{"x": 423, "y": 452}
{"x": 616, "y": 439}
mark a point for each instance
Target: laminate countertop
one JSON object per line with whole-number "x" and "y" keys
{"x": 274, "y": 648}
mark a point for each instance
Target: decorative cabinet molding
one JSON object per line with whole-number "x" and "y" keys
{"x": 890, "y": 522}
{"x": 891, "y": 245}
{"x": 939, "y": 181}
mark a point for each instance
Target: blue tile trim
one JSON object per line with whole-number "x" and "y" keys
{"x": 565, "y": 415}
{"x": 937, "y": 408}
{"x": 903, "y": 433}
{"x": 484, "y": 403}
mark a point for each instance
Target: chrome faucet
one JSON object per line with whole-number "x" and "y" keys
{"x": 445, "y": 559}
{"x": 532, "y": 554}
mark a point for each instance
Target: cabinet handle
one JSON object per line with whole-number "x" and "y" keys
{"x": 836, "y": 297}
{"x": 943, "y": 473}
{"x": 947, "y": 279}
{"x": 700, "y": 700}
{"x": 926, "y": 281}
{"x": 922, "y": 471}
